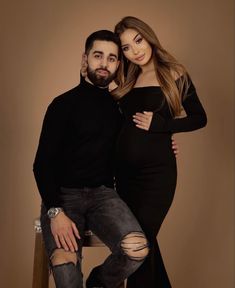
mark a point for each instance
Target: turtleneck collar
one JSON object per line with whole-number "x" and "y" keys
{"x": 85, "y": 84}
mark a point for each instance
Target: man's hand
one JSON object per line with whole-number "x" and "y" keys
{"x": 143, "y": 120}
{"x": 64, "y": 231}
{"x": 175, "y": 147}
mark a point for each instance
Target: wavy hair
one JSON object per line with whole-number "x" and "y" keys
{"x": 167, "y": 68}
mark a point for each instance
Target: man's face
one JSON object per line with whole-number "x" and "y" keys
{"x": 102, "y": 63}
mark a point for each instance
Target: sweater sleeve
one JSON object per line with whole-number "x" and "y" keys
{"x": 45, "y": 165}
{"x": 195, "y": 116}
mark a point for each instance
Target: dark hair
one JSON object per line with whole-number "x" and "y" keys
{"x": 102, "y": 35}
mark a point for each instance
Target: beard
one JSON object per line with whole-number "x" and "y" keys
{"x": 99, "y": 80}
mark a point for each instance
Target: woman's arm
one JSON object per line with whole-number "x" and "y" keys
{"x": 195, "y": 116}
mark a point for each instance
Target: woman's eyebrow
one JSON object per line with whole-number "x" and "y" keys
{"x": 136, "y": 36}
{"x": 133, "y": 39}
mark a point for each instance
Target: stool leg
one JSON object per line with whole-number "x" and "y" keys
{"x": 40, "y": 266}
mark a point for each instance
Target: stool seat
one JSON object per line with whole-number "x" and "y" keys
{"x": 41, "y": 261}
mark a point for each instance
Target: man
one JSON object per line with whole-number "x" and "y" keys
{"x": 74, "y": 173}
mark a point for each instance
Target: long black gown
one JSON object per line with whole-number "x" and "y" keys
{"x": 146, "y": 168}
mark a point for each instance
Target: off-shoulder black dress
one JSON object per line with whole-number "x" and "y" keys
{"x": 146, "y": 168}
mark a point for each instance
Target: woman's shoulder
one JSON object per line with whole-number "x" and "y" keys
{"x": 179, "y": 75}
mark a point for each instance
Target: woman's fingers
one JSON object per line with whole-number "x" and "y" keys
{"x": 143, "y": 120}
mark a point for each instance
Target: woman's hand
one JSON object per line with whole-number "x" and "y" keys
{"x": 175, "y": 147}
{"x": 143, "y": 120}
{"x": 64, "y": 231}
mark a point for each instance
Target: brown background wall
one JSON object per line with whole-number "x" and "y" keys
{"x": 41, "y": 46}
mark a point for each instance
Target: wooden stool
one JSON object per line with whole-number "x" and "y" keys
{"x": 41, "y": 261}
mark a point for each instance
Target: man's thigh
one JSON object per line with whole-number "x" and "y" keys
{"x": 109, "y": 217}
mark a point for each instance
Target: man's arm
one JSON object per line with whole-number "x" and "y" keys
{"x": 47, "y": 170}
{"x": 46, "y": 163}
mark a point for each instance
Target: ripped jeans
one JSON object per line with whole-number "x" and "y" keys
{"x": 102, "y": 210}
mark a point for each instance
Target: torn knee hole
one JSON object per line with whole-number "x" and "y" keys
{"x": 60, "y": 256}
{"x": 135, "y": 246}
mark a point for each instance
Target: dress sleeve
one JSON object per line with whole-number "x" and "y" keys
{"x": 46, "y": 163}
{"x": 195, "y": 116}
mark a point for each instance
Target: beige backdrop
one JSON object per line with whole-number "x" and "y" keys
{"x": 41, "y": 46}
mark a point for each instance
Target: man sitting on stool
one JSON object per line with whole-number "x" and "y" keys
{"x": 74, "y": 173}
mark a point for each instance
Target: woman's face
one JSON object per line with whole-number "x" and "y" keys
{"x": 135, "y": 48}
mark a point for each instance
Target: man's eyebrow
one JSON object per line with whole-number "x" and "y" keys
{"x": 100, "y": 52}
{"x": 97, "y": 51}
{"x": 133, "y": 39}
{"x": 113, "y": 55}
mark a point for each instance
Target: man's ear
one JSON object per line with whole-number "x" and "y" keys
{"x": 84, "y": 65}
{"x": 84, "y": 57}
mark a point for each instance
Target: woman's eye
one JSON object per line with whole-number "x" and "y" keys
{"x": 139, "y": 40}
{"x": 124, "y": 49}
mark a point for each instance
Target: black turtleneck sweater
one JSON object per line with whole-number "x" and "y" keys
{"x": 77, "y": 142}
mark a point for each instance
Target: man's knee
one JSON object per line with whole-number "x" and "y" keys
{"x": 60, "y": 256}
{"x": 135, "y": 246}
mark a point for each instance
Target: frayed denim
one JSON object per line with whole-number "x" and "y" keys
{"x": 102, "y": 210}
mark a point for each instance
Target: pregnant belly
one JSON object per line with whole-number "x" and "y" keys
{"x": 139, "y": 148}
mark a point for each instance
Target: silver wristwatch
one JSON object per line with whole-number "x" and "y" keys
{"x": 52, "y": 212}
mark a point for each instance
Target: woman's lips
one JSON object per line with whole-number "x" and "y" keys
{"x": 140, "y": 58}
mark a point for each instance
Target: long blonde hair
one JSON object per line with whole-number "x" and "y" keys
{"x": 167, "y": 68}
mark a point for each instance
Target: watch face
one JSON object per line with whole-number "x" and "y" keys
{"x": 52, "y": 212}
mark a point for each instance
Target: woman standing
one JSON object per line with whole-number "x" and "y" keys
{"x": 152, "y": 90}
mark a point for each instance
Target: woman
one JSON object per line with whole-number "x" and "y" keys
{"x": 152, "y": 90}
